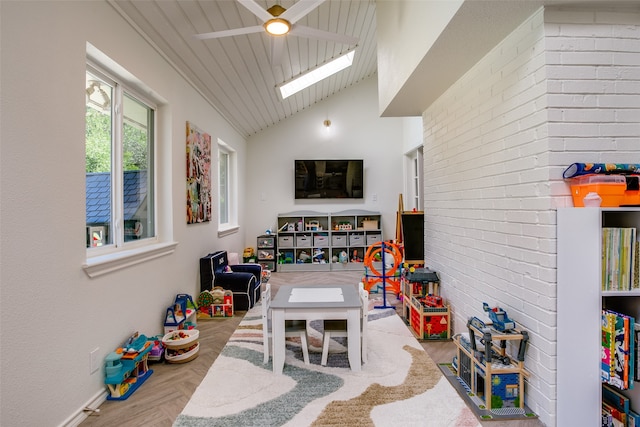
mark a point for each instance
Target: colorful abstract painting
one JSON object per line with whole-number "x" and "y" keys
{"x": 198, "y": 175}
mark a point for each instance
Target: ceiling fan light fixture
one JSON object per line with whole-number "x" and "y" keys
{"x": 277, "y": 26}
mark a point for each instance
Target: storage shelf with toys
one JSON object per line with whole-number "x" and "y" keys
{"x": 216, "y": 303}
{"x": 316, "y": 241}
{"x": 267, "y": 252}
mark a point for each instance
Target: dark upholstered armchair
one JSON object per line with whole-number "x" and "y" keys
{"x": 242, "y": 279}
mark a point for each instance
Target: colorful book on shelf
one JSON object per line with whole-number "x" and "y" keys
{"x": 619, "y": 260}
{"x": 621, "y": 350}
{"x": 633, "y": 419}
{"x": 616, "y": 399}
{"x": 636, "y": 353}
{"x": 608, "y": 331}
{"x": 614, "y": 418}
{"x": 635, "y": 284}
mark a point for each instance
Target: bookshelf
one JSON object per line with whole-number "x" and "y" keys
{"x": 580, "y": 300}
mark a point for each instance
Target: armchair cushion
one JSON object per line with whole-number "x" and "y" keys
{"x": 242, "y": 279}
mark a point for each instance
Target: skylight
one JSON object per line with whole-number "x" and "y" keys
{"x": 316, "y": 75}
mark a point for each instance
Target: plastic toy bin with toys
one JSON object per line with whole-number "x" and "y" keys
{"x": 612, "y": 189}
{"x": 181, "y": 346}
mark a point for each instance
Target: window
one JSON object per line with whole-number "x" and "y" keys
{"x": 227, "y": 208}
{"x": 414, "y": 183}
{"x": 119, "y": 144}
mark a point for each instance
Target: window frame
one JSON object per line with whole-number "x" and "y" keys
{"x": 231, "y": 225}
{"x": 120, "y": 253}
{"x": 414, "y": 180}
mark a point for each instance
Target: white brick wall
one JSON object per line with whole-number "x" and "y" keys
{"x": 564, "y": 87}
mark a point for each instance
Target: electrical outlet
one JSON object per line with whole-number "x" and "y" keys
{"x": 94, "y": 360}
{"x": 374, "y": 197}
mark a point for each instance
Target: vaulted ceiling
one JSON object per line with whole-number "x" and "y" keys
{"x": 235, "y": 73}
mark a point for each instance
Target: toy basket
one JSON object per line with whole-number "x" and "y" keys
{"x": 182, "y": 355}
{"x": 180, "y": 339}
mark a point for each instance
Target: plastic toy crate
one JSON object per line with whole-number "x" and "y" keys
{"x": 266, "y": 242}
{"x": 611, "y": 188}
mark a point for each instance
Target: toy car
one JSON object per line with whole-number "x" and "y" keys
{"x": 432, "y": 301}
{"x": 498, "y": 316}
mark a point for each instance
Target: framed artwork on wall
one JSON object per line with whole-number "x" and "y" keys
{"x": 198, "y": 175}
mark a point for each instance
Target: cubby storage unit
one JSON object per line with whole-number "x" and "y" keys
{"x": 267, "y": 252}
{"x": 352, "y": 231}
{"x": 297, "y": 232}
{"x": 316, "y": 241}
{"x": 580, "y": 300}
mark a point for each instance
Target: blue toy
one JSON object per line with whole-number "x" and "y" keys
{"x": 498, "y": 316}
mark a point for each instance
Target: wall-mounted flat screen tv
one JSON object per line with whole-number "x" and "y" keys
{"x": 329, "y": 179}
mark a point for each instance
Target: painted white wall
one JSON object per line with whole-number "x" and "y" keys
{"x": 400, "y": 52}
{"x": 412, "y": 133}
{"x": 52, "y": 313}
{"x": 356, "y": 132}
{"x": 559, "y": 89}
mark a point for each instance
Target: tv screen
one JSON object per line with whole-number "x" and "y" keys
{"x": 329, "y": 179}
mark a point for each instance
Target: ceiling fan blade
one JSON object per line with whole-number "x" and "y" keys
{"x": 300, "y": 10}
{"x": 314, "y": 33}
{"x": 277, "y": 48}
{"x": 227, "y": 33}
{"x": 256, "y": 9}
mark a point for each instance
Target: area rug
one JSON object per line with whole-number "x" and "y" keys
{"x": 399, "y": 384}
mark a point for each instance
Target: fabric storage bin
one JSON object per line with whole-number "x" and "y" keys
{"x": 356, "y": 239}
{"x": 303, "y": 241}
{"x": 339, "y": 240}
{"x": 285, "y": 241}
{"x": 321, "y": 241}
{"x": 373, "y": 238}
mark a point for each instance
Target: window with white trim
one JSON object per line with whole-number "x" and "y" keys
{"x": 227, "y": 197}
{"x": 120, "y": 159}
{"x": 414, "y": 180}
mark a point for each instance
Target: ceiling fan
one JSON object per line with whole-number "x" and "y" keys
{"x": 278, "y": 22}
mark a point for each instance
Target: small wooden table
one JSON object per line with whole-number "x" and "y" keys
{"x": 331, "y": 302}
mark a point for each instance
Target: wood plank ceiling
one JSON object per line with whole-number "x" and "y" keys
{"x": 234, "y": 73}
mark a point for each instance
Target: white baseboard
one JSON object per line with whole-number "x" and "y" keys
{"x": 82, "y": 414}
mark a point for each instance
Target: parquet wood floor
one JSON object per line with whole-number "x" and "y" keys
{"x": 162, "y": 397}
